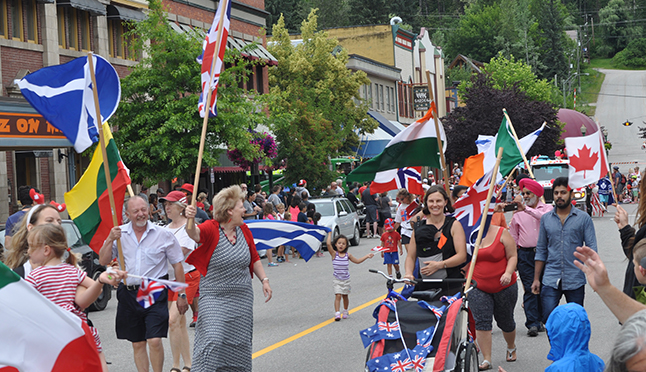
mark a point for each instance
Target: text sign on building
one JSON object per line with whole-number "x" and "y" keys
{"x": 27, "y": 126}
{"x": 421, "y": 101}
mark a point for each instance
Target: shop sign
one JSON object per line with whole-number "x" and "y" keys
{"x": 21, "y": 125}
{"x": 421, "y": 101}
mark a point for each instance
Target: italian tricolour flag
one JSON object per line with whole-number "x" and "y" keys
{"x": 88, "y": 202}
{"x": 416, "y": 145}
{"x": 36, "y": 335}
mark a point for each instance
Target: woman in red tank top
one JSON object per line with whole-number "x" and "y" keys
{"x": 496, "y": 293}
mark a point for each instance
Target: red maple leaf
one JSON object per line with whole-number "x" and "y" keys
{"x": 585, "y": 161}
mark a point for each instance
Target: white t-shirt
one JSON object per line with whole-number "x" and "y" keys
{"x": 186, "y": 242}
{"x": 405, "y": 225}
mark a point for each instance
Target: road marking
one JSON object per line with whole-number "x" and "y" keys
{"x": 315, "y": 328}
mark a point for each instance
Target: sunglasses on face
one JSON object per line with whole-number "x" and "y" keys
{"x": 527, "y": 193}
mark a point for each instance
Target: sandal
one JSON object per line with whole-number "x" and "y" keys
{"x": 511, "y": 355}
{"x": 185, "y": 368}
{"x": 175, "y": 370}
{"x": 485, "y": 365}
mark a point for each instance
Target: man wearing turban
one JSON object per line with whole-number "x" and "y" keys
{"x": 524, "y": 228}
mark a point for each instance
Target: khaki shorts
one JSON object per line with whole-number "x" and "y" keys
{"x": 341, "y": 286}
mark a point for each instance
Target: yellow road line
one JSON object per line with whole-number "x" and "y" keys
{"x": 316, "y": 327}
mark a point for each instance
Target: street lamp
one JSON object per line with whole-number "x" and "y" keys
{"x": 584, "y": 130}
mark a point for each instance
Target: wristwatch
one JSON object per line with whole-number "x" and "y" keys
{"x": 182, "y": 295}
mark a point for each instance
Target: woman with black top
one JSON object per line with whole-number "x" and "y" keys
{"x": 438, "y": 240}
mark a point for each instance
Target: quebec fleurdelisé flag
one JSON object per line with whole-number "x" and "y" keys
{"x": 209, "y": 52}
{"x": 62, "y": 94}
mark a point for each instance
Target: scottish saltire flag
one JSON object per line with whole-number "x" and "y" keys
{"x": 62, "y": 94}
{"x": 149, "y": 292}
{"x": 409, "y": 178}
{"x": 269, "y": 234}
{"x": 208, "y": 53}
{"x": 469, "y": 209}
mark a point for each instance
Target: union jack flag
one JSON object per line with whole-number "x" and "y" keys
{"x": 389, "y": 327}
{"x": 209, "y": 52}
{"x": 149, "y": 292}
{"x": 468, "y": 209}
{"x": 409, "y": 178}
{"x": 418, "y": 363}
{"x": 401, "y": 366}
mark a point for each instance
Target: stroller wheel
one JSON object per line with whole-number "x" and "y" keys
{"x": 471, "y": 358}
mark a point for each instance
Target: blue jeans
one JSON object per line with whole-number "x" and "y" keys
{"x": 531, "y": 302}
{"x": 550, "y": 298}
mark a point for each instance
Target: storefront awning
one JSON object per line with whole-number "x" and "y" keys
{"x": 373, "y": 144}
{"x": 248, "y": 50}
{"x": 92, "y": 6}
{"x": 227, "y": 169}
{"x": 125, "y": 14}
{"x": 384, "y": 123}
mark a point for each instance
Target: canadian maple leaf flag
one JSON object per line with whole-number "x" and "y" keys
{"x": 588, "y": 159}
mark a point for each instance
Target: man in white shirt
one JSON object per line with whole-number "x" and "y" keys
{"x": 146, "y": 248}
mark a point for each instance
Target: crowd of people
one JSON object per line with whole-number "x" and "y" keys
{"x": 552, "y": 249}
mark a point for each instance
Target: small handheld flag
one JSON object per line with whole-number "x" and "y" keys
{"x": 149, "y": 292}
{"x": 379, "y": 249}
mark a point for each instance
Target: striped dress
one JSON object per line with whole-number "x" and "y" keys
{"x": 224, "y": 329}
{"x": 58, "y": 284}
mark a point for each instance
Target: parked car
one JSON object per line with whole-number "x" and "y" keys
{"x": 340, "y": 216}
{"x": 89, "y": 261}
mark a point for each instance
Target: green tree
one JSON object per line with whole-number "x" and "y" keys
{"x": 552, "y": 40}
{"x": 618, "y": 28}
{"x": 291, "y": 10}
{"x": 369, "y": 12}
{"x": 476, "y": 34}
{"x": 316, "y": 95}
{"x": 482, "y": 114}
{"x": 331, "y": 13}
{"x": 159, "y": 127}
{"x": 507, "y": 73}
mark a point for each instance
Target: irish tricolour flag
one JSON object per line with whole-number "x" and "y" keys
{"x": 414, "y": 146}
{"x": 38, "y": 336}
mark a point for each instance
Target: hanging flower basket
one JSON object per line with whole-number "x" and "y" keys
{"x": 264, "y": 141}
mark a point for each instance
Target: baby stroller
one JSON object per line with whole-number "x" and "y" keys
{"x": 435, "y": 333}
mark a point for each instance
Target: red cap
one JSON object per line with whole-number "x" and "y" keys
{"x": 175, "y": 196}
{"x": 302, "y": 183}
{"x": 389, "y": 224}
{"x": 188, "y": 187}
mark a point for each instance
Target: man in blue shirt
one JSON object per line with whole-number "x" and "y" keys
{"x": 605, "y": 187}
{"x": 561, "y": 231}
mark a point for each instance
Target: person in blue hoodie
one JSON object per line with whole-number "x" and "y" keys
{"x": 568, "y": 329}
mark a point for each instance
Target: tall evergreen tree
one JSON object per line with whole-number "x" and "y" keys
{"x": 369, "y": 12}
{"x": 552, "y": 44}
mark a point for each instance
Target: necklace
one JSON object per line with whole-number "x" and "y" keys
{"x": 232, "y": 239}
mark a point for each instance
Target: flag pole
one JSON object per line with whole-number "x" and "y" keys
{"x": 513, "y": 131}
{"x": 104, "y": 153}
{"x": 190, "y": 223}
{"x": 506, "y": 182}
{"x": 483, "y": 219}
{"x": 437, "y": 133}
{"x": 612, "y": 181}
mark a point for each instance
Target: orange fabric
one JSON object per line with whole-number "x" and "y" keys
{"x": 201, "y": 256}
{"x": 193, "y": 281}
{"x": 442, "y": 241}
{"x": 473, "y": 170}
{"x": 498, "y": 219}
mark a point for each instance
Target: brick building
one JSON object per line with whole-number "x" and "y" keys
{"x": 39, "y": 33}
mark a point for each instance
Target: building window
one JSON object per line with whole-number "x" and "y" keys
{"x": 405, "y": 92}
{"x": 3, "y": 19}
{"x": 377, "y": 96}
{"x": 392, "y": 99}
{"x": 84, "y": 30}
{"x": 369, "y": 94}
{"x": 260, "y": 79}
{"x": 31, "y": 21}
{"x": 60, "y": 14}
{"x": 381, "y": 96}
{"x": 16, "y": 20}
{"x": 119, "y": 42}
{"x": 387, "y": 99}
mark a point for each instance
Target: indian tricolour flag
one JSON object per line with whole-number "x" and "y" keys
{"x": 38, "y": 336}
{"x": 88, "y": 201}
{"x": 416, "y": 145}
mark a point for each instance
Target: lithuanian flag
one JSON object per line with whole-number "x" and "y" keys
{"x": 88, "y": 202}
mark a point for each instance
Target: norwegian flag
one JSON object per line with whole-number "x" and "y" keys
{"x": 409, "y": 178}
{"x": 209, "y": 52}
{"x": 468, "y": 209}
{"x": 388, "y": 327}
{"x": 149, "y": 292}
{"x": 401, "y": 365}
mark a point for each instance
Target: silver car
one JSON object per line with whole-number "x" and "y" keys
{"x": 338, "y": 214}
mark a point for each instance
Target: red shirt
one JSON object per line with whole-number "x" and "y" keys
{"x": 491, "y": 264}
{"x": 390, "y": 240}
{"x": 362, "y": 189}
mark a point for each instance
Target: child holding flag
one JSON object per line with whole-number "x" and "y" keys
{"x": 59, "y": 281}
{"x": 391, "y": 240}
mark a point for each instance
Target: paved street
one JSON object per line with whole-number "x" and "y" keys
{"x": 623, "y": 97}
{"x": 295, "y": 331}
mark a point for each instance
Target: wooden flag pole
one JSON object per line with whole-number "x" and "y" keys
{"x": 483, "y": 219}
{"x": 106, "y": 166}
{"x": 612, "y": 181}
{"x": 437, "y": 133}
{"x": 503, "y": 185}
{"x": 190, "y": 223}
{"x": 130, "y": 192}
{"x": 522, "y": 152}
